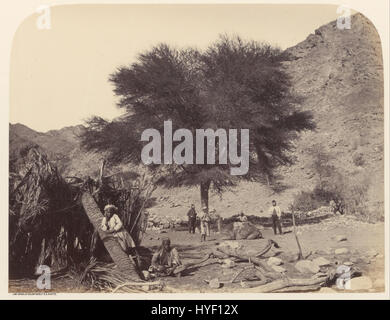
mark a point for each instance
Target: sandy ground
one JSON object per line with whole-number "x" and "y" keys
{"x": 363, "y": 241}
{"x": 317, "y": 239}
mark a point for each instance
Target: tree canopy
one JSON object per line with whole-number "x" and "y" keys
{"x": 232, "y": 84}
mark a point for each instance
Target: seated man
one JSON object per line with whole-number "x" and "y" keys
{"x": 165, "y": 260}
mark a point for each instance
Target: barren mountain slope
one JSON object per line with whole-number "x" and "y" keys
{"x": 62, "y": 147}
{"x": 340, "y": 74}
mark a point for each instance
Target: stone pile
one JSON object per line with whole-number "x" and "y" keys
{"x": 156, "y": 222}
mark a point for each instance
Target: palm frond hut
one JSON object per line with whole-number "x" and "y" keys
{"x": 47, "y": 220}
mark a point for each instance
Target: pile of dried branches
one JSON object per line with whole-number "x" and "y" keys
{"x": 106, "y": 277}
{"x": 268, "y": 279}
{"x": 47, "y": 221}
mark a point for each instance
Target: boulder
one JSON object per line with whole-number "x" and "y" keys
{"x": 274, "y": 261}
{"x": 245, "y": 230}
{"x": 228, "y": 263}
{"x": 359, "y": 283}
{"x": 348, "y": 263}
{"x": 307, "y": 266}
{"x": 341, "y": 251}
{"x": 214, "y": 283}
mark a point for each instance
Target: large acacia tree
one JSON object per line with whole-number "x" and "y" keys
{"x": 232, "y": 84}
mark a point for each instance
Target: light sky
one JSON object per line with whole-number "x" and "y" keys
{"x": 59, "y": 77}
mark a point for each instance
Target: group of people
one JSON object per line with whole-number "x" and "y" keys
{"x": 205, "y": 219}
{"x": 166, "y": 259}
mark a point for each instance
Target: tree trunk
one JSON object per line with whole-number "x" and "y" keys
{"x": 204, "y": 194}
{"x": 120, "y": 258}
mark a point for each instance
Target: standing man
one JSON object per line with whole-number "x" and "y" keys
{"x": 204, "y": 225}
{"x": 242, "y": 217}
{"x": 214, "y": 216}
{"x": 191, "y": 219}
{"x": 276, "y": 216}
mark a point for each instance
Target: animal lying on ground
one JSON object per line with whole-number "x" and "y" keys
{"x": 242, "y": 230}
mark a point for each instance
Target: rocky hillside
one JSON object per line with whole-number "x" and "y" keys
{"x": 340, "y": 75}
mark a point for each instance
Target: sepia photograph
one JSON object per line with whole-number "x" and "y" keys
{"x": 197, "y": 148}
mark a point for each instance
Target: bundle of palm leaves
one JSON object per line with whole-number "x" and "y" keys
{"x": 105, "y": 277}
{"x": 47, "y": 222}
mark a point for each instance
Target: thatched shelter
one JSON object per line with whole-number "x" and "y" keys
{"x": 48, "y": 222}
